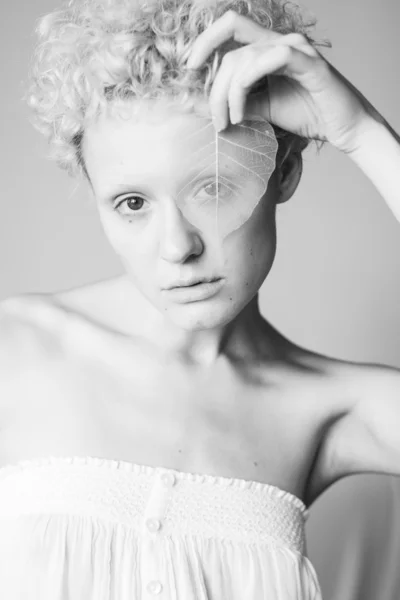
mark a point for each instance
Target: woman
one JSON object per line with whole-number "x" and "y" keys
{"x": 168, "y": 461}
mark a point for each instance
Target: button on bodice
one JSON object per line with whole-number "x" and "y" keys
{"x": 154, "y": 587}
{"x": 153, "y": 524}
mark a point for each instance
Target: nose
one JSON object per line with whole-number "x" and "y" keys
{"x": 179, "y": 240}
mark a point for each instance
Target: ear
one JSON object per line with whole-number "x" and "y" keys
{"x": 289, "y": 174}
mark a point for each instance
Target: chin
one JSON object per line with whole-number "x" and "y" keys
{"x": 196, "y": 316}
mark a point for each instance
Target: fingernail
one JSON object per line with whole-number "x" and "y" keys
{"x": 235, "y": 115}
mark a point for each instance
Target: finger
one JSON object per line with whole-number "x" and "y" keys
{"x": 283, "y": 60}
{"x": 298, "y": 41}
{"x": 218, "y": 99}
{"x": 231, "y": 24}
{"x": 237, "y": 91}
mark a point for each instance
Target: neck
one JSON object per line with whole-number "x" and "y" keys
{"x": 248, "y": 337}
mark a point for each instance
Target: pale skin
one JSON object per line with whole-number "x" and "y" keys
{"x": 123, "y": 372}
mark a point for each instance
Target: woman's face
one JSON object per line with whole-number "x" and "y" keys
{"x": 137, "y": 167}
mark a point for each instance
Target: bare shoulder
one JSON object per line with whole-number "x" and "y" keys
{"x": 29, "y": 324}
{"x": 335, "y": 377}
{"x": 42, "y": 328}
{"x": 348, "y": 376}
{"x": 355, "y": 384}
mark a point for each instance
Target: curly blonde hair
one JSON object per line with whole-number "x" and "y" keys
{"x": 91, "y": 52}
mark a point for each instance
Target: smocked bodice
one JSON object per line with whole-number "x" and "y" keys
{"x": 94, "y": 528}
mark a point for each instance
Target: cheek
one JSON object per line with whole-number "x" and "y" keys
{"x": 251, "y": 249}
{"x": 256, "y": 260}
{"x": 134, "y": 246}
{"x": 262, "y": 253}
{"x": 262, "y": 239}
{"x": 124, "y": 235}
{"x": 263, "y": 235}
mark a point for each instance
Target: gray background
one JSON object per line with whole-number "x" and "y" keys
{"x": 334, "y": 287}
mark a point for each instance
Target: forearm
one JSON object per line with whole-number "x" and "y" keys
{"x": 378, "y": 156}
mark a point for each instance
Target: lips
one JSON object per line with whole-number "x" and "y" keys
{"x": 190, "y": 282}
{"x": 197, "y": 291}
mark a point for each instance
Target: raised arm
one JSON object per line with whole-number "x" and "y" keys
{"x": 377, "y": 153}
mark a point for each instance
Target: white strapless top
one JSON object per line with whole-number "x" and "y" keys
{"x": 86, "y": 528}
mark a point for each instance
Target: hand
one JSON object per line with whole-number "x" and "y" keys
{"x": 305, "y": 95}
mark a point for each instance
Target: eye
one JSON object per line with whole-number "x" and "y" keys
{"x": 134, "y": 203}
{"x": 216, "y": 189}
